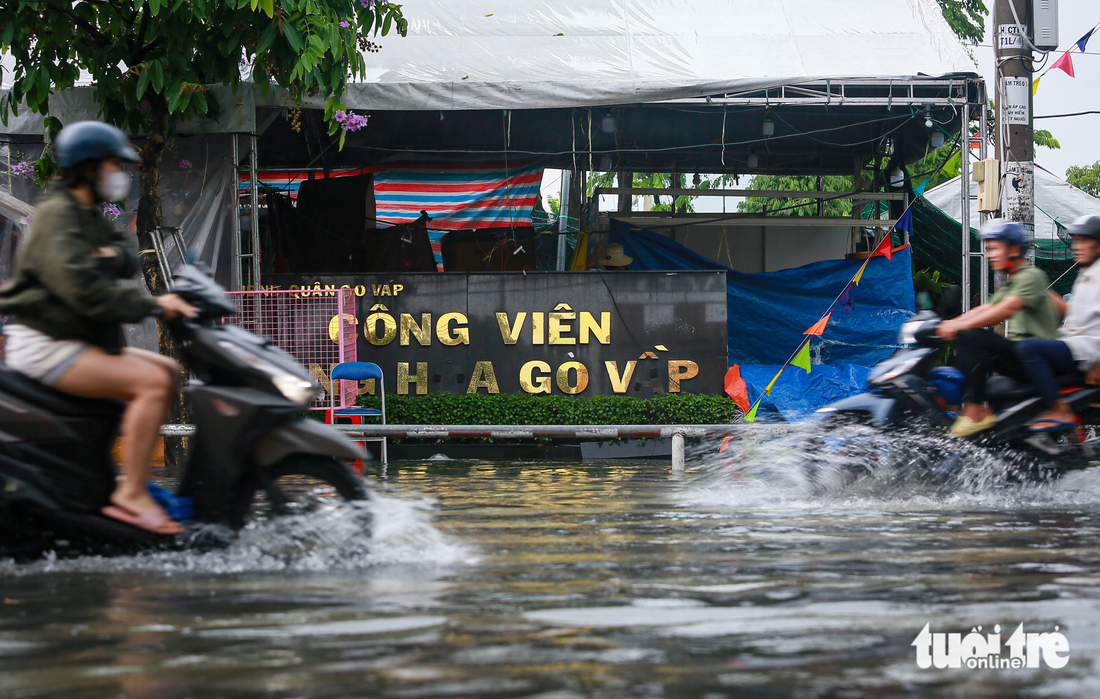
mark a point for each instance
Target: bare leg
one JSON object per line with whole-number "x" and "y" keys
{"x": 147, "y": 385}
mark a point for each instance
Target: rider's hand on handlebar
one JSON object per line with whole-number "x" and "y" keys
{"x": 948, "y": 329}
{"x": 174, "y": 306}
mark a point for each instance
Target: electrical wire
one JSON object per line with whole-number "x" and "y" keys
{"x": 1072, "y": 114}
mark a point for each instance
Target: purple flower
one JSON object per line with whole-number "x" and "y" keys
{"x": 344, "y": 23}
{"x": 23, "y": 169}
{"x": 111, "y": 211}
{"x": 349, "y": 121}
{"x": 367, "y": 3}
{"x": 185, "y": 164}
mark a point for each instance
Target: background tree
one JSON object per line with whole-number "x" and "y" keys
{"x": 1085, "y": 177}
{"x": 152, "y": 63}
{"x": 966, "y": 18}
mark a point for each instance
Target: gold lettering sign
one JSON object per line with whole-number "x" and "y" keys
{"x": 334, "y": 326}
{"x": 538, "y": 328}
{"x": 420, "y": 379}
{"x": 601, "y": 331}
{"x": 680, "y": 370}
{"x": 370, "y": 328}
{"x": 510, "y": 334}
{"x": 483, "y": 377}
{"x": 422, "y": 332}
{"x": 534, "y": 384}
{"x": 563, "y": 378}
{"x": 461, "y": 335}
{"x": 619, "y": 384}
{"x": 558, "y": 328}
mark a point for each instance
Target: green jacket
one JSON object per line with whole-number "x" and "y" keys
{"x": 61, "y": 289}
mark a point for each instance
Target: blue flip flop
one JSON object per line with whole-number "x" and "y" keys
{"x": 1058, "y": 426}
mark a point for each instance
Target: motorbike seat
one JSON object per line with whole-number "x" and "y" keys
{"x": 52, "y": 400}
{"x": 1005, "y": 388}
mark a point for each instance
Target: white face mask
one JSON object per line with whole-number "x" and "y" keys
{"x": 113, "y": 186}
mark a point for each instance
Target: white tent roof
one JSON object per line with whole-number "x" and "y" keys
{"x": 1055, "y": 199}
{"x": 516, "y": 54}
{"x": 527, "y": 54}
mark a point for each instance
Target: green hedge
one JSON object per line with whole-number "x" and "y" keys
{"x": 526, "y": 409}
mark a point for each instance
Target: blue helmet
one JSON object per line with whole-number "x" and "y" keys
{"x": 1008, "y": 232}
{"x": 91, "y": 140}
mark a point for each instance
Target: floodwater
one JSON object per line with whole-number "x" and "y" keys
{"x": 561, "y": 581}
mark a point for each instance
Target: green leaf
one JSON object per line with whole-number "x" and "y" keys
{"x": 185, "y": 100}
{"x": 158, "y": 77}
{"x": 6, "y": 33}
{"x": 173, "y": 95}
{"x": 386, "y": 25}
{"x": 293, "y": 37}
{"x": 343, "y": 133}
{"x": 254, "y": 4}
{"x": 266, "y": 39}
{"x": 200, "y": 101}
{"x": 268, "y": 7}
{"x": 143, "y": 81}
{"x": 154, "y": 7}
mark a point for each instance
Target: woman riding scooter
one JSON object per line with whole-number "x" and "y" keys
{"x": 1023, "y": 304}
{"x": 67, "y": 308}
{"x": 1078, "y": 345}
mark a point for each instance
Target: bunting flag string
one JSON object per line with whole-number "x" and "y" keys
{"x": 801, "y": 356}
{"x": 1065, "y": 61}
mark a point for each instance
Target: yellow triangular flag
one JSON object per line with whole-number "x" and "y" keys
{"x": 768, "y": 390}
{"x": 1035, "y": 85}
{"x": 859, "y": 274}
{"x": 751, "y": 415}
{"x": 802, "y": 359}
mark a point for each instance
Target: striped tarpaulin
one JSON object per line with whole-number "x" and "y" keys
{"x": 289, "y": 181}
{"x": 460, "y": 197}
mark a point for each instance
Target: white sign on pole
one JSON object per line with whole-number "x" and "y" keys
{"x": 1011, "y": 36}
{"x": 1015, "y": 100}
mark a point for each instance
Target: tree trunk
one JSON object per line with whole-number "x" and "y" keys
{"x": 149, "y": 218}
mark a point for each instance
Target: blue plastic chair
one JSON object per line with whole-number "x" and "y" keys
{"x": 359, "y": 371}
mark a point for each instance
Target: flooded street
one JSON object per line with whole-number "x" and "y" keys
{"x": 578, "y": 580}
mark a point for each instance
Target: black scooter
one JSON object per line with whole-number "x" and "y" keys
{"x": 57, "y": 471}
{"x": 902, "y": 394}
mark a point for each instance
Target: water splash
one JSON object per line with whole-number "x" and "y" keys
{"x": 861, "y": 466}
{"x": 341, "y": 537}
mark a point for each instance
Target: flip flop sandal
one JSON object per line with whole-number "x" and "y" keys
{"x": 1056, "y": 425}
{"x": 153, "y": 520}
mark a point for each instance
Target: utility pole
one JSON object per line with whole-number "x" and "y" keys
{"x": 1015, "y": 141}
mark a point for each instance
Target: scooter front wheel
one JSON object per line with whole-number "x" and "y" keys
{"x": 299, "y": 484}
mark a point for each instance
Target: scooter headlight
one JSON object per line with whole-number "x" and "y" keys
{"x": 296, "y": 389}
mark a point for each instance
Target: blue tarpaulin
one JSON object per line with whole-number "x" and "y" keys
{"x": 797, "y": 394}
{"x": 769, "y": 312}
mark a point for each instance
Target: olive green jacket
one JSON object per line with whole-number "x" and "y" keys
{"x": 62, "y": 289}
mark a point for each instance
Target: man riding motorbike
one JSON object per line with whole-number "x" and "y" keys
{"x": 1078, "y": 345}
{"x": 1023, "y": 304}
{"x": 67, "y": 308}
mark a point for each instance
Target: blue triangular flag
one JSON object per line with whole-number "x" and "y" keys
{"x": 1083, "y": 41}
{"x": 847, "y": 302}
{"x": 905, "y": 223}
{"x": 919, "y": 189}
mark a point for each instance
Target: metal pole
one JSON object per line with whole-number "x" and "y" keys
{"x": 253, "y": 182}
{"x": 983, "y": 148}
{"x": 563, "y": 218}
{"x": 678, "y": 453}
{"x": 964, "y": 176}
{"x": 235, "y": 202}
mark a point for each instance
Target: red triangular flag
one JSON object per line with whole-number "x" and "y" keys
{"x": 1065, "y": 63}
{"x": 886, "y": 247}
{"x": 818, "y": 328}
{"x": 736, "y": 388}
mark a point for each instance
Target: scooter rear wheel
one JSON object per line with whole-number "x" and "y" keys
{"x": 298, "y": 484}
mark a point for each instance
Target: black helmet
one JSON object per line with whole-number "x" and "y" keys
{"x": 1086, "y": 227}
{"x": 91, "y": 140}
{"x": 1008, "y": 232}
